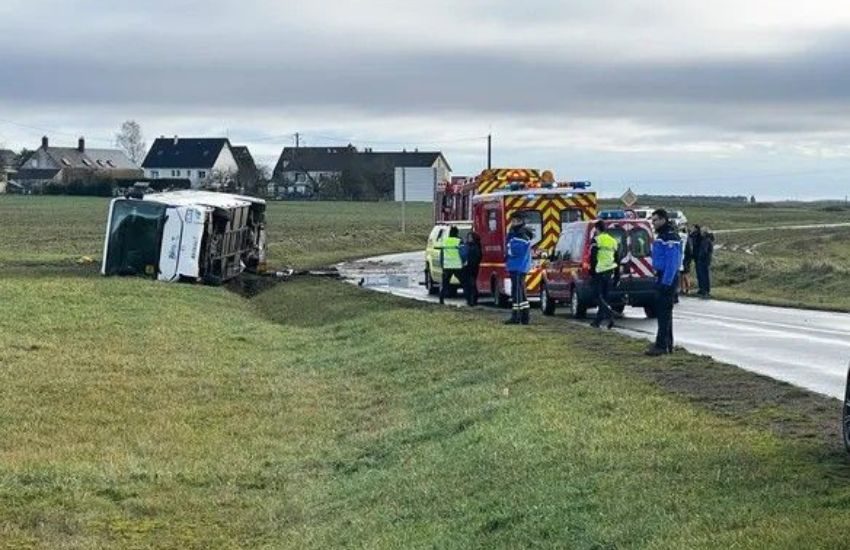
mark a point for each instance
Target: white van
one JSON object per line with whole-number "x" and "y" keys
{"x": 185, "y": 235}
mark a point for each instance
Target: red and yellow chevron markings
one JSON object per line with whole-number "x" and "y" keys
{"x": 533, "y": 280}
{"x": 494, "y": 179}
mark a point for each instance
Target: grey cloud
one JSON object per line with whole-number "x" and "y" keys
{"x": 808, "y": 90}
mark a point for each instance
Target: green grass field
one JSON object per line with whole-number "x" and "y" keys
{"x": 799, "y": 268}
{"x": 301, "y": 234}
{"x": 319, "y": 415}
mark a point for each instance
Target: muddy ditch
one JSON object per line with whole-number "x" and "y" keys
{"x": 250, "y": 285}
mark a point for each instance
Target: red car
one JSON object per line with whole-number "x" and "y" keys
{"x": 567, "y": 278}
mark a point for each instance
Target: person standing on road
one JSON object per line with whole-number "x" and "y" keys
{"x": 450, "y": 261}
{"x": 518, "y": 264}
{"x": 704, "y": 255}
{"x": 687, "y": 262}
{"x": 603, "y": 265}
{"x": 471, "y": 268}
{"x": 666, "y": 259}
{"x": 694, "y": 241}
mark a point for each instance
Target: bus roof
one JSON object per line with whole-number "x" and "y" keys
{"x": 202, "y": 198}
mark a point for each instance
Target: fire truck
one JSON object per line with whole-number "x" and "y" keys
{"x": 490, "y": 200}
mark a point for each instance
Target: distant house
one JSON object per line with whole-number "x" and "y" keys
{"x": 248, "y": 176}
{"x": 306, "y": 169}
{"x": 63, "y": 165}
{"x": 204, "y": 161}
{"x": 8, "y": 166}
{"x": 302, "y": 170}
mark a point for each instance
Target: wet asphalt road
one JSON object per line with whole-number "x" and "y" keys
{"x": 809, "y": 349}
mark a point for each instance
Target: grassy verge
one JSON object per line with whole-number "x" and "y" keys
{"x": 738, "y": 216}
{"x": 319, "y": 415}
{"x": 797, "y": 268}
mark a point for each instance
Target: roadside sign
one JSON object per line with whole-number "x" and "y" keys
{"x": 629, "y": 198}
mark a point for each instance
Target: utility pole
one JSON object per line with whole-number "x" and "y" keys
{"x": 297, "y": 140}
{"x": 403, "y": 199}
{"x": 489, "y": 151}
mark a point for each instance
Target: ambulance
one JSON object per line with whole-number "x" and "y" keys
{"x": 546, "y": 206}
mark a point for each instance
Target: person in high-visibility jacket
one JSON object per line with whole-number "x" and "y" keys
{"x": 450, "y": 260}
{"x": 518, "y": 264}
{"x": 604, "y": 261}
{"x": 666, "y": 259}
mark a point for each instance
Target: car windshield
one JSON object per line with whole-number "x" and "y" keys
{"x": 134, "y": 238}
{"x": 462, "y": 232}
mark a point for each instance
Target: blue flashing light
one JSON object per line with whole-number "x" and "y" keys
{"x": 612, "y": 215}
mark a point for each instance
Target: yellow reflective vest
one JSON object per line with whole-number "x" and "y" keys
{"x": 606, "y": 251}
{"x": 451, "y": 253}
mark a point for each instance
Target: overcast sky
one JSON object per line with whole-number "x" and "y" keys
{"x": 686, "y": 97}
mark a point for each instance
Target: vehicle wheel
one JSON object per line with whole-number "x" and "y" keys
{"x": 499, "y": 299}
{"x": 650, "y": 312}
{"x": 845, "y": 417}
{"x": 433, "y": 290}
{"x": 547, "y": 305}
{"x": 578, "y": 309}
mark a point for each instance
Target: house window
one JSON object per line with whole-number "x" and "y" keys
{"x": 300, "y": 178}
{"x": 175, "y": 173}
{"x": 188, "y": 173}
{"x": 155, "y": 174}
{"x": 87, "y": 162}
{"x": 100, "y": 163}
{"x": 201, "y": 174}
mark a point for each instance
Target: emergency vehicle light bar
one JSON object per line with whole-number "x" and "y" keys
{"x": 519, "y": 185}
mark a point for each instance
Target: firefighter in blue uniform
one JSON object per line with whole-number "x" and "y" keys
{"x": 518, "y": 264}
{"x": 666, "y": 260}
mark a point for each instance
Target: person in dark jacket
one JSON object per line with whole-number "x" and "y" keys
{"x": 704, "y": 253}
{"x": 666, "y": 260}
{"x": 518, "y": 264}
{"x": 472, "y": 263}
{"x": 687, "y": 263}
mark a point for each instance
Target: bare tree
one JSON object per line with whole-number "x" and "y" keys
{"x": 131, "y": 141}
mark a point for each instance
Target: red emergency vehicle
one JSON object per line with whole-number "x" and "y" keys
{"x": 567, "y": 278}
{"x": 546, "y": 207}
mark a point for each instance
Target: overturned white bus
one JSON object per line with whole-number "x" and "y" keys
{"x": 185, "y": 235}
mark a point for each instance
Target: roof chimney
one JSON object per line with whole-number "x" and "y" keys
{"x": 175, "y": 140}
{"x": 81, "y": 145}
{"x": 44, "y": 142}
